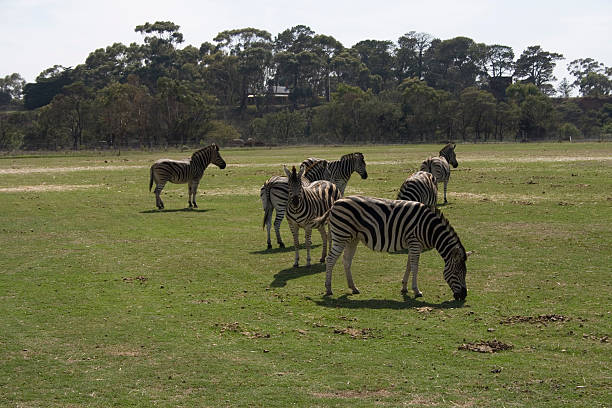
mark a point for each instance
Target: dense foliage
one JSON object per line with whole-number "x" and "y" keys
{"x": 302, "y": 87}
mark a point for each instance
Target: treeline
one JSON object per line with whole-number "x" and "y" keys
{"x": 302, "y": 87}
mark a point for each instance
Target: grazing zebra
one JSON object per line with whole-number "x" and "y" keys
{"x": 339, "y": 171}
{"x": 438, "y": 166}
{"x": 306, "y": 205}
{"x": 188, "y": 171}
{"x": 392, "y": 226}
{"x": 421, "y": 187}
{"x": 273, "y": 193}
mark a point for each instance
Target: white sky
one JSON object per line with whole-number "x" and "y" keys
{"x": 37, "y": 34}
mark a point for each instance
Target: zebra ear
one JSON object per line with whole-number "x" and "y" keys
{"x": 454, "y": 145}
{"x": 301, "y": 172}
{"x": 286, "y": 171}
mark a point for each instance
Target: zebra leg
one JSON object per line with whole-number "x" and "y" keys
{"x": 330, "y": 261}
{"x": 445, "y": 184}
{"x": 324, "y": 237}
{"x": 295, "y": 229}
{"x": 308, "y": 239}
{"x": 347, "y": 260}
{"x": 280, "y": 213}
{"x": 413, "y": 259}
{"x": 194, "y": 192}
{"x": 158, "y": 201}
{"x": 268, "y": 224}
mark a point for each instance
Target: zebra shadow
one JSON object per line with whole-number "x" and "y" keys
{"x": 282, "y": 250}
{"x": 196, "y": 210}
{"x": 345, "y": 302}
{"x": 281, "y": 278}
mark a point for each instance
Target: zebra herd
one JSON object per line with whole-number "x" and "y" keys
{"x": 312, "y": 197}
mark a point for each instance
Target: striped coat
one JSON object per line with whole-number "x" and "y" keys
{"x": 421, "y": 187}
{"x": 439, "y": 166}
{"x": 188, "y": 171}
{"x": 306, "y": 206}
{"x": 392, "y": 226}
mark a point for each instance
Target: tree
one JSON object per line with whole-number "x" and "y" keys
{"x": 420, "y": 105}
{"x": 536, "y": 66}
{"x": 477, "y": 109}
{"x": 49, "y": 83}
{"x": 11, "y": 88}
{"x": 377, "y": 57}
{"x": 537, "y": 113}
{"x": 159, "y": 51}
{"x": 592, "y": 77}
{"x": 565, "y": 88}
{"x": 453, "y": 65}
{"x": 409, "y": 54}
{"x": 252, "y": 49}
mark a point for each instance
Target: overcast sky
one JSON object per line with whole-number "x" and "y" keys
{"x": 37, "y": 34}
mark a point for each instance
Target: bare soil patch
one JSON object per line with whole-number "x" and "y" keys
{"x": 48, "y": 187}
{"x": 28, "y": 170}
{"x": 488, "y": 346}
{"x": 355, "y": 333}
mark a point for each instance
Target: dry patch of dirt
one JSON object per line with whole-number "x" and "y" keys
{"x": 355, "y": 333}
{"x": 542, "y": 319}
{"x": 488, "y": 346}
{"x": 29, "y": 170}
{"x": 234, "y": 327}
{"x": 47, "y": 187}
{"x": 513, "y": 198}
{"x": 231, "y": 191}
{"x": 140, "y": 279}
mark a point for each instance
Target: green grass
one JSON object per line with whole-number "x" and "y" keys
{"x": 107, "y": 302}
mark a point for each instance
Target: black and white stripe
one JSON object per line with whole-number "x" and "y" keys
{"x": 439, "y": 166}
{"x": 274, "y": 195}
{"x": 392, "y": 226}
{"x": 421, "y": 187}
{"x": 306, "y": 205}
{"x": 339, "y": 171}
{"x": 188, "y": 171}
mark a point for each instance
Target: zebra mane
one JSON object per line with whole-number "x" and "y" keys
{"x": 205, "y": 149}
{"x": 350, "y": 156}
{"x": 446, "y": 224}
{"x": 316, "y": 165}
{"x": 447, "y": 148}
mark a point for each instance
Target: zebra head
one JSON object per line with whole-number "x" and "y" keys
{"x": 294, "y": 181}
{"x": 455, "y": 271}
{"x": 215, "y": 157}
{"x": 360, "y": 165}
{"x": 448, "y": 152}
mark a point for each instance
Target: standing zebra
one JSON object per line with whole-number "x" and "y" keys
{"x": 188, "y": 171}
{"x": 391, "y": 226}
{"x": 438, "y": 166}
{"x": 306, "y": 205}
{"x": 274, "y": 195}
{"x": 420, "y": 187}
{"x": 274, "y": 191}
{"x": 339, "y": 171}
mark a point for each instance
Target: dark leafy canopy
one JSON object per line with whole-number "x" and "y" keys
{"x": 302, "y": 87}
{"x": 536, "y": 66}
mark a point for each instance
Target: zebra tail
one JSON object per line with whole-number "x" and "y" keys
{"x": 151, "y": 179}
{"x": 317, "y": 222}
{"x": 267, "y": 204}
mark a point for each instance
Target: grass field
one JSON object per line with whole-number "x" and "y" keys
{"x": 105, "y": 301}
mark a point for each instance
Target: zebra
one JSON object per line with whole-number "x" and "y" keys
{"x": 421, "y": 187}
{"x": 306, "y": 205}
{"x": 392, "y": 226}
{"x": 188, "y": 171}
{"x": 439, "y": 166}
{"x": 339, "y": 171}
{"x": 273, "y": 193}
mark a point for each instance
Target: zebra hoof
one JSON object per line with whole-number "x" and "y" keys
{"x": 295, "y": 265}
{"x": 322, "y": 260}
{"x": 281, "y": 245}
{"x": 269, "y": 246}
{"x": 355, "y": 291}
{"x": 195, "y": 205}
{"x": 418, "y": 295}
{"x": 328, "y": 293}
{"x": 404, "y": 291}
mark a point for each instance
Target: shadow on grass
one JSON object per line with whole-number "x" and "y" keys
{"x": 283, "y": 250}
{"x": 199, "y": 210}
{"x": 281, "y": 278}
{"x": 345, "y": 302}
